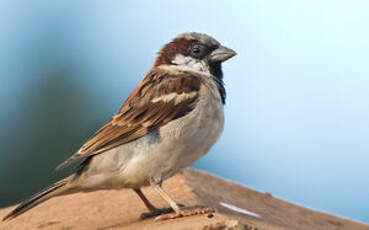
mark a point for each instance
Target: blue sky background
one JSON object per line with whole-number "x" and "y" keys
{"x": 298, "y": 91}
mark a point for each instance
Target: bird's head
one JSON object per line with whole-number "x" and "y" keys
{"x": 195, "y": 51}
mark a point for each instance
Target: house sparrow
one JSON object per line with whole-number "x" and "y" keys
{"x": 172, "y": 118}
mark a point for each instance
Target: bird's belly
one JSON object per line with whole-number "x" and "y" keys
{"x": 188, "y": 139}
{"x": 159, "y": 154}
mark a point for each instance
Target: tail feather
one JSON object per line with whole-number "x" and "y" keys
{"x": 44, "y": 195}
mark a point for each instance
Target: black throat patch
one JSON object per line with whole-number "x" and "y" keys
{"x": 216, "y": 71}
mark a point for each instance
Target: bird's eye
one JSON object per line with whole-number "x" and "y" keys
{"x": 196, "y": 50}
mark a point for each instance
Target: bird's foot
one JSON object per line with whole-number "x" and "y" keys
{"x": 183, "y": 212}
{"x": 157, "y": 212}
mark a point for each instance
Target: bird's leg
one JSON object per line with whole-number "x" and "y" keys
{"x": 179, "y": 211}
{"x": 153, "y": 210}
{"x": 147, "y": 203}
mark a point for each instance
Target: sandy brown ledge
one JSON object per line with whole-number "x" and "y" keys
{"x": 237, "y": 208}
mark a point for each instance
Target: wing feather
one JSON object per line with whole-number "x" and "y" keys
{"x": 143, "y": 111}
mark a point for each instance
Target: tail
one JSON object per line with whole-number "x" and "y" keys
{"x": 54, "y": 190}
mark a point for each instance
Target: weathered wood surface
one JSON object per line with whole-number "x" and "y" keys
{"x": 105, "y": 210}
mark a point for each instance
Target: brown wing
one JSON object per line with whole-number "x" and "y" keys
{"x": 157, "y": 100}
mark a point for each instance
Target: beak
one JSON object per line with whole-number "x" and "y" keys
{"x": 222, "y": 54}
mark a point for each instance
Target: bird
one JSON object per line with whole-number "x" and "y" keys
{"x": 171, "y": 119}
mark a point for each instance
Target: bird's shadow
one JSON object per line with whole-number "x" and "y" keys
{"x": 140, "y": 219}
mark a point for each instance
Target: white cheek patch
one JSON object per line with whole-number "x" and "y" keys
{"x": 190, "y": 63}
{"x": 180, "y": 59}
